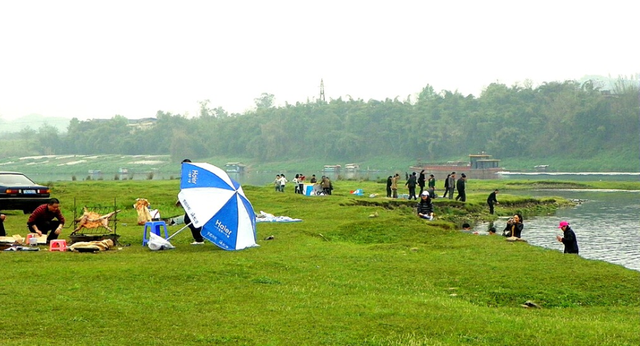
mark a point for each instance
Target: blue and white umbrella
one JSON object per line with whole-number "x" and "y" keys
{"x": 217, "y": 203}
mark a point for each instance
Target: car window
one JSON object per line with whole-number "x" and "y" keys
{"x": 15, "y": 179}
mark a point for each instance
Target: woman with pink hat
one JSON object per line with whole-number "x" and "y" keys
{"x": 569, "y": 240}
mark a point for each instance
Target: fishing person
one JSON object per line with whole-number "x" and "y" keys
{"x": 569, "y": 240}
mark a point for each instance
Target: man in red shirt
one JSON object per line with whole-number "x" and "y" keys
{"x": 41, "y": 220}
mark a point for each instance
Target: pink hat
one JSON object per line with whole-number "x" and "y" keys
{"x": 563, "y": 224}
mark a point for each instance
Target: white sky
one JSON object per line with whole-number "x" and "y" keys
{"x": 96, "y": 59}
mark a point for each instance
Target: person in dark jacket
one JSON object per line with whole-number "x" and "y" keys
{"x": 460, "y": 185}
{"x": 492, "y": 200}
{"x": 446, "y": 185}
{"x": 422, "y": 179}
{"x": 514, "y": 227}
{"x": 411, "y": 183}
{"x": 425, "y": 207}
{"x": 389, "y": 182}
{"x": 451, "y": 184}
{"x": 569, "y": 240}
{"x": 2, "y": 231}
{"x": 432, "y": 186}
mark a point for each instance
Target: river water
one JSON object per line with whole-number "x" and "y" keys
{"x": 605, "y": 222}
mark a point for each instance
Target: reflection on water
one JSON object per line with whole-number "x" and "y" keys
{"x": 606, "y": 225}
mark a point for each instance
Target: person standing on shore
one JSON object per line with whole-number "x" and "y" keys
{"x": 446, "y": 185}
{"x": 394, "y": 185}
{"x": 389, "y": 182}
{"x": 462, "y": 195}
{"x": 276, "y": 183}
{"x": 421, "y": 181}
{"x": 411, "y": 183}
{"x": 451, "y": 184}
{"x": 569, "y": 240}
{"x": 491, "y": 200}
{"x": 432, "y": 186}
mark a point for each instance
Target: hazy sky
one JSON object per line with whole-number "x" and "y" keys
{"x": 96, "y": 59}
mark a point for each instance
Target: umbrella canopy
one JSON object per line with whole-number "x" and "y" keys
{"x": 217, "y": 203}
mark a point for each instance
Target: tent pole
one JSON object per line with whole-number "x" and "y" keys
{"x": 180, "y": 230}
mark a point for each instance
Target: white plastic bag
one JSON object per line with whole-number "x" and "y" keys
{"x": 156, "y": 243}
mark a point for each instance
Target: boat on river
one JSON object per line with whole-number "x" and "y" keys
{"x": 235, "y": 167}
{"x": 479, "y": 166}
{"x": 331, "y": 169}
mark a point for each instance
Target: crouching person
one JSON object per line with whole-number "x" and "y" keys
{"x": 425, "y": 207}
{"x": 41, "y": 220}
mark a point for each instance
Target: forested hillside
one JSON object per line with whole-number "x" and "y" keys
{"x": 567, "y": 119}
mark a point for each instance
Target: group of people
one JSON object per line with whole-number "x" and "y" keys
{"x": 41, "y": 221}
{"x": 451, "y": 184}
{"x": 413, "y": 181}
{"x": 298, "y": 182}
{"x": 514, "y": 225}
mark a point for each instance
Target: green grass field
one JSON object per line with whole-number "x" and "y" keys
{"x": 340, "y": 277}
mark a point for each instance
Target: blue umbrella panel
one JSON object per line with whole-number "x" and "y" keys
{"x": 217, "y": 203}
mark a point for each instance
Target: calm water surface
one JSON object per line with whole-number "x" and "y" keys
{"x": 606, "y": 224}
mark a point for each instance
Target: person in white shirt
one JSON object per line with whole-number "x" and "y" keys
{"x": 283, "y": 182}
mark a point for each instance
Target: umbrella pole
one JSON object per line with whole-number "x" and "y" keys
{"x": 180, "y": 230}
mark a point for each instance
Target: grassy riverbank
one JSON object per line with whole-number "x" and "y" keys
{"x": 340, "y": 277}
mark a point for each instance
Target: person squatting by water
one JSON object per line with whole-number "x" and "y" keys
{"x": 514, "y": 227}
{"x": 569, "y": 240}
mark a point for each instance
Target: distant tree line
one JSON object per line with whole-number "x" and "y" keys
{"x": 553, "y": 119}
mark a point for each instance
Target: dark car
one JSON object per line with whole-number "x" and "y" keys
{"x": 17, "y": 192}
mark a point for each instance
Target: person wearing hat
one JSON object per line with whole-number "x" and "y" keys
{"x": 425, "y": 207}
{"x": 569, "y": 240}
